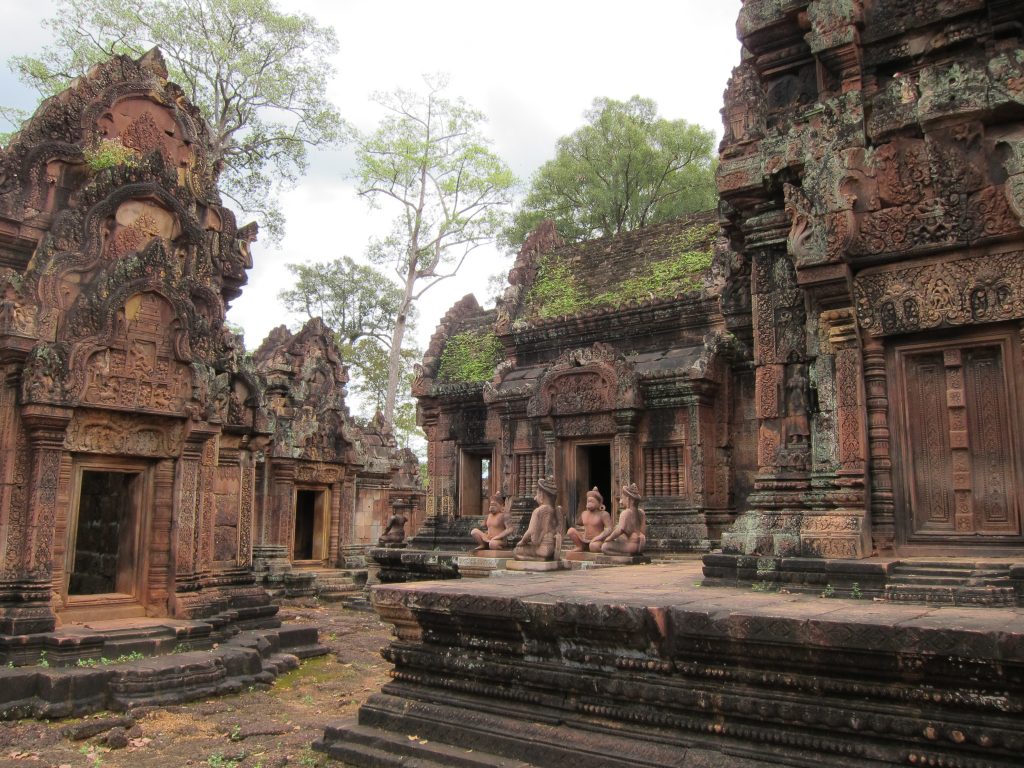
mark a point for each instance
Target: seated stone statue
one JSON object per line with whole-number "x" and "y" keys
{"x": 595, "y": 523}
{"x": 543, "y": 537}
{"x": 394, "y": 533}
{"x": 628, "y": 537}
{"x": 497, "y": 526}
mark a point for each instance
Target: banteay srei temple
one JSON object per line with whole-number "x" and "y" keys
{"x": 149, "y": 466}
{"x": 665, "y": 450}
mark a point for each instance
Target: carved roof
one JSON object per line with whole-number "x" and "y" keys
{"x": 119, "y": 267}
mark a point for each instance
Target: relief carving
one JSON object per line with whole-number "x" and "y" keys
{"x": 139, "y": 370}
{"x": 945, "y": 294}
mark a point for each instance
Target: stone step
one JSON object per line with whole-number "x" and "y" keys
{"x": 928, "y": 579}
{"x": 364, "y": 747}
{"x": 951, "y": 595}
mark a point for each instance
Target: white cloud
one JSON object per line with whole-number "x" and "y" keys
{"x": 532, "y": 66}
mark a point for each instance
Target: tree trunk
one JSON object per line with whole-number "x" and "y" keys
{"x": 397, "y": 336}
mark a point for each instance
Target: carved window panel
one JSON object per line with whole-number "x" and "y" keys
{"x": 664, "y": 470}
{"x": 529, "y": 468}
{"x": 956, "y": 411}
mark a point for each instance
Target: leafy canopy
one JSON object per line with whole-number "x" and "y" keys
{"x": 429, "y": 162}
{"x": 626, "y": 168}
{"x": 258, "y": 75}
{"x": 359, "y": 304}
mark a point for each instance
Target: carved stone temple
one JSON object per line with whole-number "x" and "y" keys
{"x": 835, "y": 410}
{"x": 144, "y": 456}
{"x": 845, "y": 379}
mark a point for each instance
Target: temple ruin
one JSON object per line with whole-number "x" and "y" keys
{"x": 846, "y": 380}
{"x": 144, "y": 455}
{"x": 836, "y": 413}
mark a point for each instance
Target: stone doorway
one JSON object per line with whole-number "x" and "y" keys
{"x": 474, "y": 483}
{"x": 106, "y": 553}
{"x": 593, "y": 467}
{"x": 310, "y": 540}
{"x": 956, "y": 413}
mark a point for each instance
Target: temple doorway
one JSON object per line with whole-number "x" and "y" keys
{"x": 310, "y": 541}
{"x": 957, "y": 467}
{"x": 474, "y": 483}
{"x": 105, "y": 560}
{"x": 593, "y": 467}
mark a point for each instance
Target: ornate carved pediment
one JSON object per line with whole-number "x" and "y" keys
{"x": 139, "y": 368}
{"x": 978, "y": 289}
{"x": 586, "y": 380}
{"x": 123, "y": 434}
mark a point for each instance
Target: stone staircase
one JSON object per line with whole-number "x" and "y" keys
{"x": 338, "y": 584}
{"x": 950, "y": 583}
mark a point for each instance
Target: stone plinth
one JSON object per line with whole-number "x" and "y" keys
{"x": 482, "y": 563}
{"x": 534, "y": 566}
{"x": 641, "y": 667}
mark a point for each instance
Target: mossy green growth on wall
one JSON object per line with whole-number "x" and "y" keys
{"x": 108, "y": 154}
{"x": 469, "y": 356}
{"x": 662, "y": 279}
{"x": 556, "y": 291}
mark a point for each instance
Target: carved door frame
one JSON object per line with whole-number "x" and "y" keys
{"x": 323, "y": 508}
{"x": 143, "y": 499}
{"x": 951, "y": 345}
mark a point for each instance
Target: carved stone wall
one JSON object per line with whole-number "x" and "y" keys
{"x": 870, "y": 177}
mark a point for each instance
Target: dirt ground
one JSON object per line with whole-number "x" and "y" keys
{"x": 268, "y": 728}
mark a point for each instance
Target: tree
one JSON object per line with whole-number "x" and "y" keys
{"x": 624, "y": 169}
{"x": 259, "y": 77}
{"x": 359, "y": 304}
{"x": 428, "y": 160}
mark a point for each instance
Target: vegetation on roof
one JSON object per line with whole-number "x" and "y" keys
{"x": 469, "y": 356}
{"x": 109, "y": 153}
{"x": 558, "y": 290}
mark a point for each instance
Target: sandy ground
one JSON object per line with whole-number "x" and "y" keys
{"x": 267, "y": 728}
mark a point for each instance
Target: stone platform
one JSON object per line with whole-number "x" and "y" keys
{"x": 642, "y": 666}
{"x": 180, "y": 661}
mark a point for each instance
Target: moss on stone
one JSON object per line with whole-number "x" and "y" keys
{"x": 555, "y": 291}
{"x": 469, "y": 356}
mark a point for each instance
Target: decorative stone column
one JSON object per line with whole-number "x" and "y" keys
{"x": 883, "y": 509}
{"x": 25, "y": 599}
{"x": 189, "y": 501}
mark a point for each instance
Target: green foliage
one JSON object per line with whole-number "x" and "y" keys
{"x": 258, "y": 75}
{"x": 103, "y": 661}
{"x": 109, "y": 153}
{"x": 217, "y": 760}
{"x": 360, "y": 305}
{"x": 855, "y": 591}
{"x": 626, "y": 168}
{"x": 470, "y": 356}
{"x": 429, "y": 161}
{"x": 828, "y": 591}
{"x": 556, "y": 290}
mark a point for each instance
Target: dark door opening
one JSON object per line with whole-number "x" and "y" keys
{"x": 309, "y": 525}
{"x": 475, "y": 484}
{"x": 106, "y": 535}
{"x": 593, "y": 468}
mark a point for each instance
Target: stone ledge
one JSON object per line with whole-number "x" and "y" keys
{"x": 252, "y": 656}
{"x": 718, "y": 675}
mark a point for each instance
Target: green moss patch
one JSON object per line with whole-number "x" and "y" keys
{"x": 469, "y": 356}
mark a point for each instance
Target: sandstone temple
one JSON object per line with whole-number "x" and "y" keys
{"x": 820, "y": 397}
{"x": 838, "y": 373}
{"x": 149, "y": 465}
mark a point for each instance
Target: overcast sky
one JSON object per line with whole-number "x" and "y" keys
{"x": 532, "y": 67}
